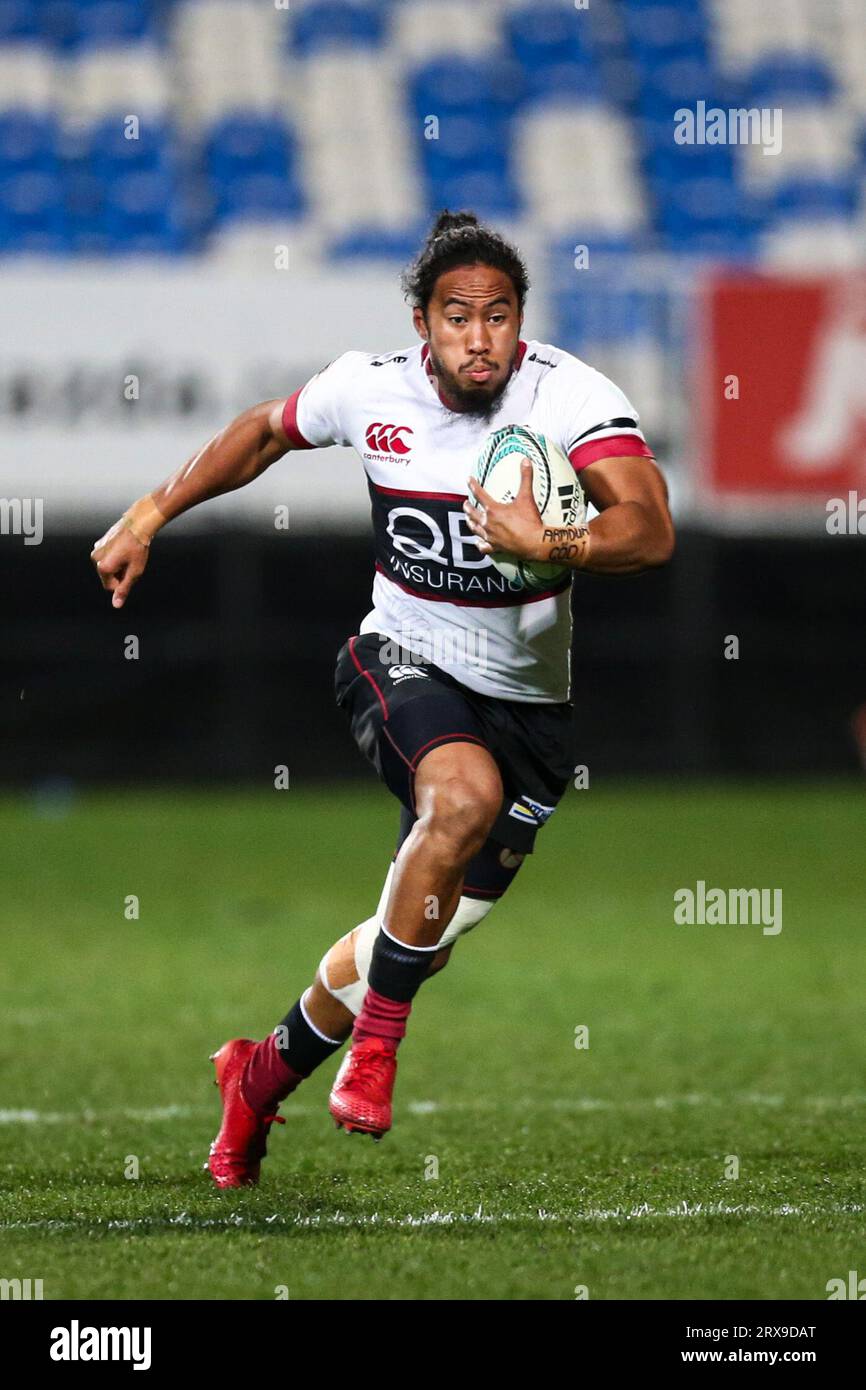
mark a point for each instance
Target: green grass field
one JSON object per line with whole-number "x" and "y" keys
{"x": 557, "y": 1166}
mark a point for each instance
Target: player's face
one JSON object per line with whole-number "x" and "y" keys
{"x": 472, "y": 327}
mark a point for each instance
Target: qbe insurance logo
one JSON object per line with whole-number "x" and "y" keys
{"x": 77, "y": 1343}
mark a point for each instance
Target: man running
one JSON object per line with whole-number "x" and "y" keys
{"x": 457, "y": 686}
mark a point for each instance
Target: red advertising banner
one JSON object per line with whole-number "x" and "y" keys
{"x": 782, "y": 389}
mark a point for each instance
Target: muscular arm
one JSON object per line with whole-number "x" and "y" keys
{"x": 632, "y": 532}
{"x": 233, "y": 458}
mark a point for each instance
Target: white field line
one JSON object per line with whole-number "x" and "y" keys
{"x": 566, "y": 1104}
{"x": 378, "y": 1220}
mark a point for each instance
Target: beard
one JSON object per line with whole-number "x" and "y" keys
{"x": 479, "y": 401}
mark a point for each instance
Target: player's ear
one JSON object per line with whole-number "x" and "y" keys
{"x": 420, "y": 323}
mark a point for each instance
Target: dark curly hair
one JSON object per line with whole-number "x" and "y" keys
{"x": 458, "y": 238}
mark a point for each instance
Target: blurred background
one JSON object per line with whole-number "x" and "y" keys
{"x": 203, "y": 201}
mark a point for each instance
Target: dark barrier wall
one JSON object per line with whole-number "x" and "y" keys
{"x": 237, "y": 636}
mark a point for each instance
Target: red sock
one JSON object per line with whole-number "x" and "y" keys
{"x": 381, "y": 1018}
{"x": 268, "y": 1079}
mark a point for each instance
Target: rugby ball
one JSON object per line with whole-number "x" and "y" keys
{"x": 555, "y": 486}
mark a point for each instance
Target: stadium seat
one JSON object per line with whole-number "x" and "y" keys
{"x": 422, "y": 30}
{"x": 229, "y": 56}
{"x": 28, "y": 76}
{"x": 353, "y": 91}
{"x": 791, "y": 245}
{"x": 32, "y": 218}
{"x": 488, "y": 90}
{"x": 544, "y": 36}
{"x": 142, "y": 214}
{"x": 337, "y": 23}
{"x": 250, "y": 113}
{"x": 117, "y": 79}
{"x": 602, "y": 194}
{"x": 18, "y": 21}
{"x": 787, "y": 79}
{"x": 28, "y": 142}
{"x": 111, "y": 22}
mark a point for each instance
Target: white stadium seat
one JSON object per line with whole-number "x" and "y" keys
{"x": 251, "y": 248}
{"x": 746, "y": 32}
{"x": 129, "y": 78}
{"x": 601, "y": 190}
{"x": 816, "y": 140}
{"x": 354, "y": 101}
{"x": 799, "y": 246}
{"x": 427, "y": 29}
{"x": 29, "y": 78}
{"x": 230, "y": 55}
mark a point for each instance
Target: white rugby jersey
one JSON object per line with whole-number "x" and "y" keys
{"x": 433, "y": 593}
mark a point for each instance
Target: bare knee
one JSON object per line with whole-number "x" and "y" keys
{"x": 459, "y": 812}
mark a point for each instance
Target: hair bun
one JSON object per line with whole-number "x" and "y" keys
{"x": 448, "y": 221}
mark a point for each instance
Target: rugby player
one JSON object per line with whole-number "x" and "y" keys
{"x": 457, "y": 686}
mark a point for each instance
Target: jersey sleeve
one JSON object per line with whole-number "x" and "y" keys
{"x": 313, "y": 416}
{"x": 596, "y": 420}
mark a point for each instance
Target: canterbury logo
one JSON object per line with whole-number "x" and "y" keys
{"x": 403, "y": 673}
{"x": 385, "y": 439}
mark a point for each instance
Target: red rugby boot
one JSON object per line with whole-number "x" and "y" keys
{"x": 237, "y": 1152}
{"x": 361, "y": 1096}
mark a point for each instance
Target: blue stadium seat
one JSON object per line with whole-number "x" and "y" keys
{"x": 607, "y": 247}
{"x": 377, "y": 243}
{"x": 28, "y": 142}
{"x": 484, "y": 90}
{"x": 789, "y": 78}
{"x": 142, "y": 214}
{"x": 112, "y": 21}
{"x": 84, "y": 212}
{"x": 468, "y": 142}
{"x": 816, "y": 197}
{"x": 84, "y": 24}
{"x": 260, "y": 195}
{"x": 111, "y": 153}
{"x": 544, "y": 36}
{"x": 32, "y": 216}
{"x": 733, "y": 244}
{"x": 488, "y": 194}
{"x": 681, "y": 82}
{"x": 665, "y": 31}
{"x": 242, "y": 144}
{"x": 337, "y": 23}
{"x": 608, "y": 313}
{"x": 569, "y": 80}
{"x": 250, "y": 163}
{"x": 57, "y": 23}
{"x": 18, "y": 20}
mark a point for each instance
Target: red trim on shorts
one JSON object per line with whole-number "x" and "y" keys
{"x": 446, "y": 738}
{"x": 382, "y": 701}
{"x": 616, "y": 446}
{"x": 290, "y": 422}
{"x": 475, "y": 603}
{"x": 484, "y": 892}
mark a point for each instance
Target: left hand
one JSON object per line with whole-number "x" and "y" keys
{"x": 513, "y": 527}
